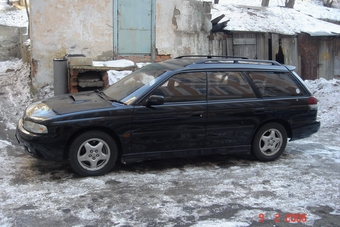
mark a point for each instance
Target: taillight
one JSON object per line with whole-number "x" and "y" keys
{"x": 313, "y": 103}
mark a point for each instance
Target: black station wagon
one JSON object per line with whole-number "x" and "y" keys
{"x": 187, "y": 106}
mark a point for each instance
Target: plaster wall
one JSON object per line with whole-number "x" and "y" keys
{"x": 182, "y": 27}
{"x": 58, "y": 28}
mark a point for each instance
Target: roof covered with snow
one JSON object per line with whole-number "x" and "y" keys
{"x": 306, "y": 17}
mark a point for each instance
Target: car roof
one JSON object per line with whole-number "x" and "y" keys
{"x": 222, "y": 62}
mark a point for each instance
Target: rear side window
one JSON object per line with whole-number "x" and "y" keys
{"x": 273, "y": 84}
{"x": 184, "y": 87}
{"x": 228, "y": 85}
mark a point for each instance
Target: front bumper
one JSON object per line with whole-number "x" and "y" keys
{"x": 39, "y": 146}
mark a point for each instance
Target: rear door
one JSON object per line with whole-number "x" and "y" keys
{"x": 234, "y": 111}
{"x": 178, "y": 124}
{"x": 286, "y": 98}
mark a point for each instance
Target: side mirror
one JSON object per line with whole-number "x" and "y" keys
{"x": 155, "y": 100}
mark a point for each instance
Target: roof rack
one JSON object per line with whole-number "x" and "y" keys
{"x": 238, "y": 61}
{"x": 209, "y": 56}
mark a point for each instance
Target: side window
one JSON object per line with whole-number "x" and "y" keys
{"x": 184, "y": 87}
{"x": 228, "y": 85}
{"x": 273, "y": 84}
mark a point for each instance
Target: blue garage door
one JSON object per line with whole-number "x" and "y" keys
{"x": 134, "y": 31}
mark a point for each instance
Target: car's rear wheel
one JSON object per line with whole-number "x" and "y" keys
{"x": 269, "y": 142}
{"x": 93, "y": 153}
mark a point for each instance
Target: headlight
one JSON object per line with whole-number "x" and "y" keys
{"x": 39, "y": 111}
{"x": 35, "y": 128}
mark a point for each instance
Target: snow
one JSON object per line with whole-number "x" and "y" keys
{"x": 248, "y": 15}
{"x": 115, "y": 63}
{"x": 11, "y": 16}
{"x": 328, "y": 94}
{"x": 115, "y": 75}
{"x": 218, "y": 223}
{"x": 14, "y": 85}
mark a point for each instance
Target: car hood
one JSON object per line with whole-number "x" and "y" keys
{"x": 82, "y": 101}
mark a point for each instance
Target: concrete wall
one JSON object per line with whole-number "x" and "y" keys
{"x": 68, "y": 27}
{"x": 11, "y": 41}
{"x": 182, "y": 27}
{"x": 85, "y": 27}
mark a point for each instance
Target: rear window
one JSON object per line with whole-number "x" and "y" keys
{"x": 272, "y": 84}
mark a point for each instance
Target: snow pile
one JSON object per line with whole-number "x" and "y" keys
{"x": 115, "y": 76}
{"x": 114, "y": 63}
{"x": 14, "y": 90}
{"x": 328, "y": 94}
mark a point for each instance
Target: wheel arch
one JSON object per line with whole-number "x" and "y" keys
{"x": 111, "y": 133}
{"x": 284, "y": 123}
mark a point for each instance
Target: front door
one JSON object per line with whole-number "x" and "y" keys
{"x": 177, "y": 125}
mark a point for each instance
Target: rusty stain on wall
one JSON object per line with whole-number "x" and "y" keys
{"x": 105, "y": 55}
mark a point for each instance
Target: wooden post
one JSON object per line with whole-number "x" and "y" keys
{"x": 22, "y": 2}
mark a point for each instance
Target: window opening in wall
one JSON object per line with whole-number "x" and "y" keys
{"x": 91, "y": 80}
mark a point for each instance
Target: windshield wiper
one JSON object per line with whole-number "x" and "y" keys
{"x": 107, "y": 98}
{"x": 115, "y": 100}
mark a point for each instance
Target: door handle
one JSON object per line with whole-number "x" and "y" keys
{"x": 197, "y": 114}
{"x": 259, "y": 111}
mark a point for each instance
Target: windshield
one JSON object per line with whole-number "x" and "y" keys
{"x": 137, "y": 83}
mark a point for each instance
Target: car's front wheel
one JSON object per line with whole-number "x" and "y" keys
{"x": 92, "y": 153}
{"x": 269, "y": 142}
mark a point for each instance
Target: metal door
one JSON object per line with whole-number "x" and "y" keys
{"x": 133, "y": 33}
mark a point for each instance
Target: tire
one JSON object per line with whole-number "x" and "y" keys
{"x": 269, "y": 142}
{"x": 93, "y": 153}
